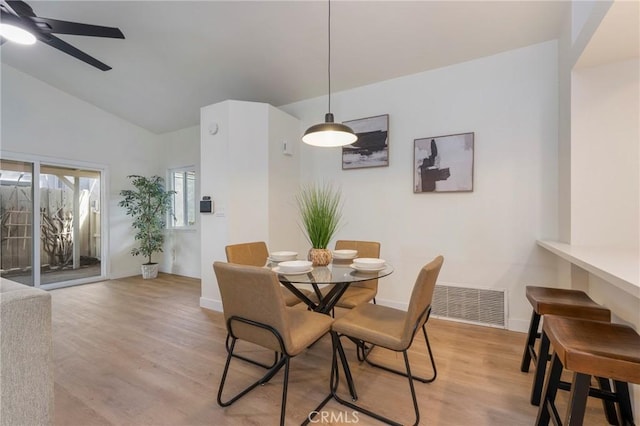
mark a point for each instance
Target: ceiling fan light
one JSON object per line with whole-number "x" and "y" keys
{"x": 329, "y": 134}
{"x": 16, "y": 34}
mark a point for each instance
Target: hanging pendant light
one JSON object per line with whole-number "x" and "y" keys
{"x": 329, "y": 133}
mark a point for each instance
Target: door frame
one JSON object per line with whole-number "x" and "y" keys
{"x": 103, "y": 170}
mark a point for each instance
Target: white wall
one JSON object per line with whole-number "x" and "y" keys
{"x": 488, "y": 236}
{"x": 249, "y": 180}
{"x": 599, "y": 181}
{"x": 39, "y": 119}
{"x": 565, "y": 63}
{"x": 580, "y": 13}
{"x": 284, "y": 180}
{"x": 248, "y": 169}
{"x": 214, "y": 182}
{"x": 182, "y": 247}
{"x": 606, "y": 156}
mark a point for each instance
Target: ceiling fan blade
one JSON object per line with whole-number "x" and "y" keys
{"x": 55, "y": 42}
{"x": 18, "y": 8}
{"x": 49, "y": 25}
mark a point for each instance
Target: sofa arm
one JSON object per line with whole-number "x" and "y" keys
{"x": 26, "y": 361}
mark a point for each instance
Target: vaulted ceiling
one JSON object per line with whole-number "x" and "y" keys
{"x": 180, "y": 55}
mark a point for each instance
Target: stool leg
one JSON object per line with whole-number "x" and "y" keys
{"x": 608, "y": 405}
{"x": 622, "y": 391}
{"x": 547, "y": 407}
{"x": 578, "y": 399}
{"x": 531, "y": 341}
{"x": 541, "y": 368}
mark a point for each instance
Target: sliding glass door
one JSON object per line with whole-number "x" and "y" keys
{"x": 67, "y": 243}
{"x": 69, "y": 224}
{"x": 16, "y": 215}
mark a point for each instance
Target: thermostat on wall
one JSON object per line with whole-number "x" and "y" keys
{"x": 206, "y": 205}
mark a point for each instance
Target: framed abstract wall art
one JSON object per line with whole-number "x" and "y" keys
{"x": 443, "y": 163}
{"x": 372, "y": 147}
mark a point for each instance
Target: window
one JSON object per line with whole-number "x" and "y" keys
{"x": 183, "y": 182}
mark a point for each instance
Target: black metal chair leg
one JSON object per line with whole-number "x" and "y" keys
{"x": 433, "y": 361}
{"x": 412, "y": 387}
{"x": 249, "y": 360}
{"x": 335, "y": 378}
{"x": 401, "y": 373}
{"x": 376, "y": 415}
{"x": 270, "y": 373}
{"x": 283, "y": 407}
{"x": 362, "y": 349}
{"x": 333, "y": 383}
{"x": 531, "y": 341}
{"x": 347, "y": 371}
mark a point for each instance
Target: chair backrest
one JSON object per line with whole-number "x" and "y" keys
{"x": 421, "y": 297}
{"x": 254, "y": 254}
{"x": 253, "y": 293}
{"x": 365, "y": 249}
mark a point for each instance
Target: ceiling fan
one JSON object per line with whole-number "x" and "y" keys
{"x": 18, "y": 16}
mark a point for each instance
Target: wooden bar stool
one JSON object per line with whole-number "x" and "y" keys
{"x": 589, "y": 348}
{"x": 554, "y": 301}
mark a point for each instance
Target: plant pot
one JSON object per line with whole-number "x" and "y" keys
{"x": 149, "y": 271}
{"x": 320, "y": 257}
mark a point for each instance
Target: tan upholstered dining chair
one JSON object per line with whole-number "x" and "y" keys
{"x": 392, "y": 329}
{"x": 365, "y": 291}
{"x": 254, "y": 311}
{"x": 256, "y": 254}
{"x": 362, "y": 292}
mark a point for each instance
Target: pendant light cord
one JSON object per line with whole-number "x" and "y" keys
{"x": 329, "y": 53}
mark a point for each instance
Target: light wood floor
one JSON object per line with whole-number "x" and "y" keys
{"x": 142, "y": 352}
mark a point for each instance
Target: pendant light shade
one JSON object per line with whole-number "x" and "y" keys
{"x": 329, "y": 134}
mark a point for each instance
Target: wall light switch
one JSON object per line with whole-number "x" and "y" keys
{"x": 287, "y": 148}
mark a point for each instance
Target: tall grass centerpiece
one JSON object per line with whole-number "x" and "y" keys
{"x": 320, "y": 209}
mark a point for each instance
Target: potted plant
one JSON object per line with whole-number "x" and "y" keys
{"x": 148, "y": 205}
{"x": 320, "y": 211}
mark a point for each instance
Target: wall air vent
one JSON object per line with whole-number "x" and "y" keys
{"x": 472, "y": 305}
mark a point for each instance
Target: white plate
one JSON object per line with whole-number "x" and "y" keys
{"x": 271, "y": 259}
{"x": 345, "y": 254}
{"x": 294, "y": 266}
{"x": 276, "y": 269}
{"x": 282, "y": 256}
{"x": 360, "y": 269}
{"x": 369, "y": 263}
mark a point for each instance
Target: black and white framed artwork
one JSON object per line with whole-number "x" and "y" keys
{"x": 443, "y": 163}
{"x": 372, "y": 147}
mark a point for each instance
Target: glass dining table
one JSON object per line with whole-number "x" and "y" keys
{"x": 339, "y": 275}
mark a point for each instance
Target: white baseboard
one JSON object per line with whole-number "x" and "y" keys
{"x": 392, "y": 304}
{"x": 518, "y": 325}
{"x": 211, "y": 304}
